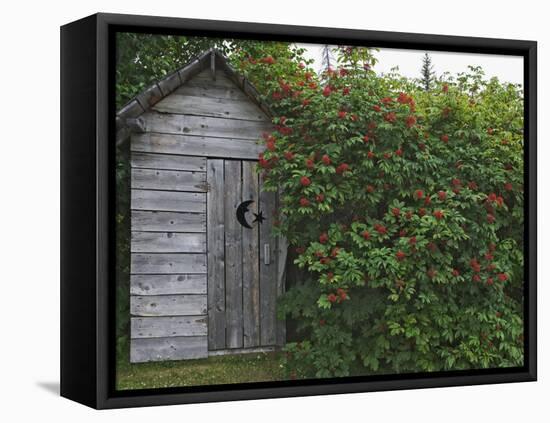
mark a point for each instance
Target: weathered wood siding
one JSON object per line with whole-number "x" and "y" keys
{"x": 198, "y": 279}
{"x": 233, "y": 256}
{"x": 251, "y": 261}
{"x": 216, "y": 254}
{"x": 268, "y": 271}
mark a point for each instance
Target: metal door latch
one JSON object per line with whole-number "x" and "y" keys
{"x": 267, "y": 254}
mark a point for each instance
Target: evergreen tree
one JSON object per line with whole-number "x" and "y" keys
{"x": 427, "y": 72}
{"x": 327, "y": 58}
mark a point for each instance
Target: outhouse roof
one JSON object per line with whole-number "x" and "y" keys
{"x": 128, "y": 116}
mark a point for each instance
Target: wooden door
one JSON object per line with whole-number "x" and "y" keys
{"x": 241, "y": 258}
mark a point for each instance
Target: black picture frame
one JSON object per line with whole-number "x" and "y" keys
{"x": 87, "y": 204}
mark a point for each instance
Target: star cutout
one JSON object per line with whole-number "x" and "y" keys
{"x": 258, "y": 217}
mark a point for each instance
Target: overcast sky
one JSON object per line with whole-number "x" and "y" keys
{"x": 505, "y": 68}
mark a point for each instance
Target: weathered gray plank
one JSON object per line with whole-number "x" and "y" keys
{"x": 207, "y": 90}
{"x": 167, "y": 284}
{"x": 173, "y": 348}
{"x": 237, "y": 351}
{"x": 233, "y": 257}
{"x": 216, "y": 254}
{"x": 251, "y": 91}
{"x": 198, "y": 146}
{"x": 214, "y": 107}
{"x": 136, "y": 125}
{"x": 213, "y": 65}
{"x": 130, "y": 110}
{"x": 155, "y": 327}
{"x": 232, "y": 74}
{"x": 167, "y": 161}
{"x": 170, "y": 83}
{"x": 168, "y": 263}
{"x": 268, "y": 272}
{"x": 170, "y": 180}
{"x": 190, "y": 70}
{"x": 203, "y": 126}
{"x": 150, "y": 96}
{"x": 168, "y": 221}
{"x": 168, "y": 201}
{"x": 251, "y": 269}
{"x": 167, "y": 305}
{"x": 205, "y": 77}
{"x": 168, "y": 242}
{"x": 282, "y": 251}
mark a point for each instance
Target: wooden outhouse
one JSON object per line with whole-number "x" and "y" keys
{"x": 205, "y": 268}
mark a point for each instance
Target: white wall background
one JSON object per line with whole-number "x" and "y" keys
{"x": 29, "y": 234}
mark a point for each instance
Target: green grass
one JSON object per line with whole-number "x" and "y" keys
{"x": 257, "y": 367}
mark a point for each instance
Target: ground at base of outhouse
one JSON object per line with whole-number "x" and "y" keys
{"x": 242, "y": 368}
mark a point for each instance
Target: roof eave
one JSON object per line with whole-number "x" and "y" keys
{"x": 127, "y": 116}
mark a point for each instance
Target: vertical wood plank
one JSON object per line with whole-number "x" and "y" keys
{"x": 268, "y": 272}
{"x": 251, "y": 265}
{"x": 213, "y": 65}
{"x": 233, "y": 257}
{"x": 282, "y": 251}
{"x": 215, "y": 254}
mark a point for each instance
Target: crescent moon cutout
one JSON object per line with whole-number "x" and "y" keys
{"x": 242, "y": 209}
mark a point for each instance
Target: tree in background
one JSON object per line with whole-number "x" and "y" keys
{"x": 428, "y": 75}
{"x": 327, "y": 59}
{"x": 142, "y": 59}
